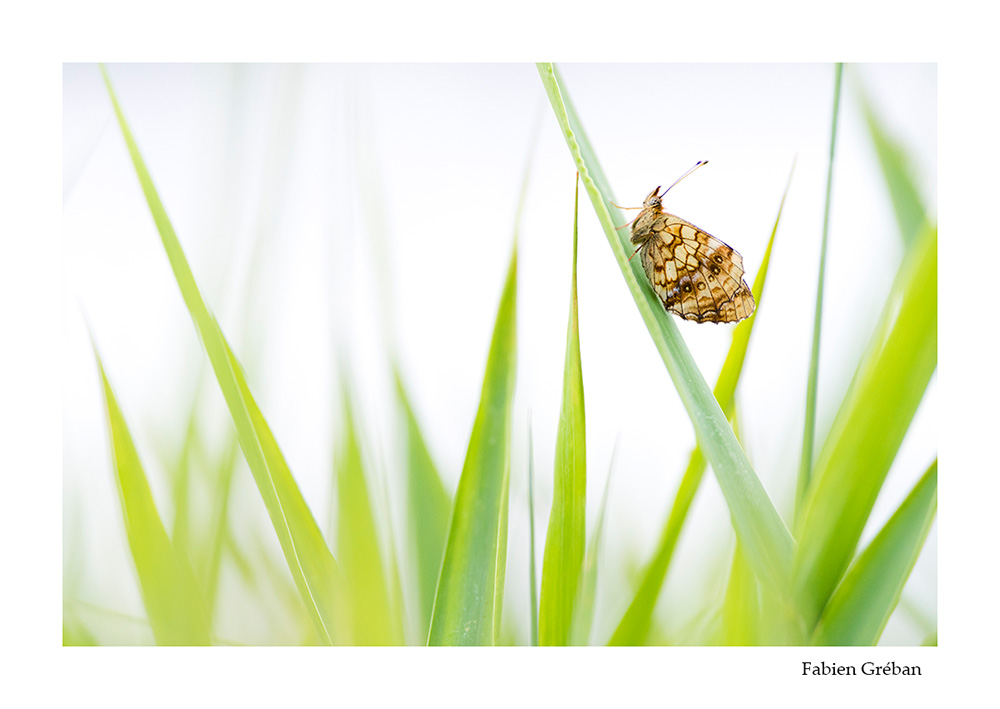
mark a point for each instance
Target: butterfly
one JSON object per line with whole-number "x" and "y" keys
{"x": 694, "y": 274}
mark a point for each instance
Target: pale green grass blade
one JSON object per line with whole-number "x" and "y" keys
{"x": 219, "y": 522}
{"x": 181, "y": 486}
{"x": 366, "y": 587}
{"x": 860, "y": 608}
{"x": 635, "y": 624}
{"x": 313, "y": 567}
{"x": 472, "y": 573}
{"x": 583, "y": 619}
{"x": 732, "y": 367}
{"x": 76, "y": 633}
{"x": 501, "y": 563}
{"x": 397, "y": 602}
{"x": 565, "y": 539}
{"x": 170, "y": 593}
{"x": 809, "y": 432}
{"x": 741, "y": 605}
{"x": 769, "y": 545}
{"x": 532, "y": 571}
{"x": 429, "y": 510}
{"x": 911, "y": 214}
{"x": 868, "y": 429}
{"x": 309, "y": 559}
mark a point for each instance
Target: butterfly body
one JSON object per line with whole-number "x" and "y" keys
{"x": 694, "y": 274}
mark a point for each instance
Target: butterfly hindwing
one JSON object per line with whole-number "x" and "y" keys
{"x": 696, "y": 275}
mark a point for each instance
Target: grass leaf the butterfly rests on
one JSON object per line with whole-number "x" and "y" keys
{"x": 635, "y": 624}
{"x": 769, "y": 545}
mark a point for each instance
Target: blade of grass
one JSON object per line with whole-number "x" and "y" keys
{"x": 769, "y": 545}
{"x": 219, "y": 524}
{"x": 532, "y": 572}
{"x": 866, "y": 433}
{"x": 635, "y": 624}
{"x": 565, "y": 538}
{"x": 170, "y": 593}
{"x": 472, "y": 573}
{"x": 75, "y": 632}
{"x": 181, "y": 486}
{"x": 911, "y": 214}
{"x": 429, "y": 509}
{"x": 860, "y": 607}
{"x": 366, "y": 589}
{"x": 583, "y": 618}
{"x": 809, "y": 433}
{"x": 741, "y": 606}
{"x": 309, "y": 559}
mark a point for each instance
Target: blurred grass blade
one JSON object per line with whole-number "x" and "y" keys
{"x": 741, "y": 605}
{"x": 219, "y": 523}
{"x": 309, "y": 559}
{"x": 635, "y": 624}
{"x": 429, "y": 510}
{"x": 472, "y": 573}
{"x": 911, "y": 214}
{"x": 180, "y": 484}
{"x": 868, "y": 429}
{"x": 170, "y": 593}
{"x": 767, "y": 542}
{"x": 583, "y": 618}
{"x": 366, "y": 588}
{"x": 565, "y": 539}
{"x": 75, "y": 632}
{"x": 860, "y": 608}
{"x": 809, "y": 431}
{"x": 732, "y": 367}
{"x": 532, "y": 571}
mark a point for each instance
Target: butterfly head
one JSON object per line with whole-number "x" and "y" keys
{"x": 652, "y": 200}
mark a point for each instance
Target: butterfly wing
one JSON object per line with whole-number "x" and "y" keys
{"x": 695, "y": 275}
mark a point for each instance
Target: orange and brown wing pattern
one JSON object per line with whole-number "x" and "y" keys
{"x": 695, "y": 275}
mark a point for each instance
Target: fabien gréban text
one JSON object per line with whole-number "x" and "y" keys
{"x": 875, "y": 669}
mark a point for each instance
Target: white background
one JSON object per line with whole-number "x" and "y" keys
{"x": 384, "y": 199}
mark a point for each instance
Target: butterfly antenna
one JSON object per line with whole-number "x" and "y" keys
{"x": 696, "y": 166}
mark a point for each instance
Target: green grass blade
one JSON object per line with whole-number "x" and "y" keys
{"x": 635, "y": 624}
{"x": 429, "y": 510}
{"x": 170, "y": 593}
{"x": 860, "y": 608}
{"x": 365, "y": 588}
{"x": 532, "y": 571}
{"x": 309, "y": 559}
{"x": 741, "y": 605}
{"x": 501, "y": 562}
{"x": 868, "y": 429}
{"x": 565, "y": 539}
{"x": 219, "y": 522}
{"x": 181, "y": 485}
{"x": 809, "y": 432}
{"x": 911, "y": 214}
{"x": 583, "y": 619}
{"x": 472, "y": 573}
{"x": 732, "y": 367}
{"x": 768, "y": 544}
{"x": 76, "y": 633}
